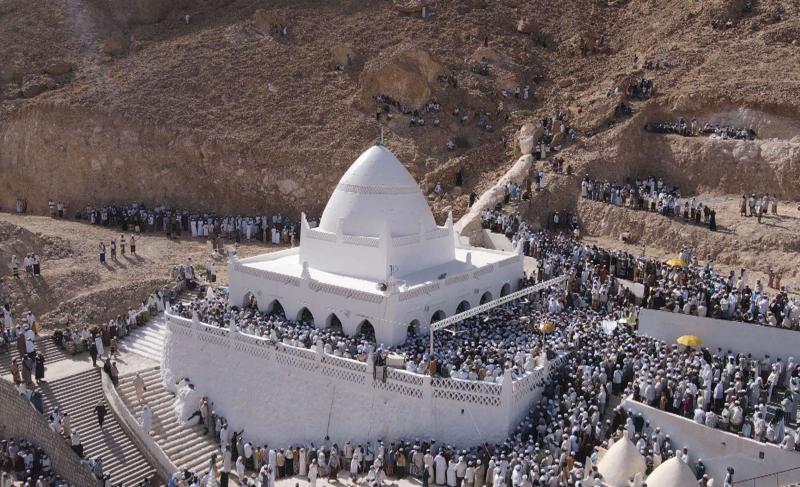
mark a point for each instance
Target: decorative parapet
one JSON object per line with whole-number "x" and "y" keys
{"x": 419, "y": 291}
{"x": 272, "y": 276}
{"x": 345, "y": 292}
{"x": 398, "y": 381}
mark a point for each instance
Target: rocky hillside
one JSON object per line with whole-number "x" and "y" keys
{"x": 256, "y": 106}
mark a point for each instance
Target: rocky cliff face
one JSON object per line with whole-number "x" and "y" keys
{"x": 118, "y": 101}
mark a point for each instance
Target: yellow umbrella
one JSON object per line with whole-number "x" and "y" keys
{"x": 675, "y": 262}
{"x": 689, "y": 341}
{"x": 547, "y": 327}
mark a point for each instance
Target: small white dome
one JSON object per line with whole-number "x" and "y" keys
{"x": 375, "y": 190}
{"x": 672, "y": 473}
{"x": 620, "y": 463}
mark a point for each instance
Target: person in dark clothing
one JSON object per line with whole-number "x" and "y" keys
{"x": 39, "y": 369}
{"x": 93, "y": 353}
{"x": 101, "y": 412}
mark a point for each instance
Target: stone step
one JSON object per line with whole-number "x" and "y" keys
{"x": 187, "y": 447}
{"x": 44, "y": 343}
{"x": 78, "y": 395}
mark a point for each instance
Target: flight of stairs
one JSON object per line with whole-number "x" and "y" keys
{"x": 146, "y": 340}
{"x": 45, "y": 344}
{"x": 187, "y": 447}
{"x": 78, "y": 395}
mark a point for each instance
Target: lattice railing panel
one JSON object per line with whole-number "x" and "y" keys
{"x": 406, "y": 377}
{"x": 344, "y": 374}
{"x": 398, "y": 388}
{"x": 462, "y": 396}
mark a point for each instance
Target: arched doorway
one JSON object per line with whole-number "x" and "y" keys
{"x": 413, "y": 329}
{"x": 250, "y": 301}
{"x": 487, "y": 296}
{"x": 305, "y": 316}
{"x": 276, "y": 308}
{"x": 366, "y": 330}
{"x": 334, "y": 323}
{"x": 463, "y": 306}
{"x": 438, "y": 316}
{"x": 505, "y": 290}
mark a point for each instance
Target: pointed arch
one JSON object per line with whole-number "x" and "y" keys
{"x": 334, "y": 323}
{"x": 366, "y": 330}
{"x": 250, "y": 301}
{"x": 276, "y": 308}
{"x": 438, "y": 316}
{"x": 305, "y": 315}
{"x": 463, "y": 306}
{"x": 505, "y": 290}
{"x": 486, "y": 297}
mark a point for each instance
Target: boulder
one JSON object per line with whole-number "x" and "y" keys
{"x": 339, "y": 54}
{"x": 35, "y": 85}
{"x": 115, "y": 46}
{"x": 408, "y": 77}
{"x": 265, "y": 21}
{"x": 58, "y": 68}
{"x": 527, "y": 137}
{"x": 408, "y": 6}
{"x": 11, "y": 91}
{"x": 526, "y": 26}
{"x": 287, "y": 186}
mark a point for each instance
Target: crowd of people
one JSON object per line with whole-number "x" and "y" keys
{"x": 650, "y": 194}
{"x": 758, "y": 206}
{"x": 25, "y": 464}
{"x": 136, "y": 218}
{"x": 31, "y": 262}
{"x": 693, "y": 128}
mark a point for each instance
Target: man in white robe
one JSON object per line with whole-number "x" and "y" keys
{"x": 441, "y": 469}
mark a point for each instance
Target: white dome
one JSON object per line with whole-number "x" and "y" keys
{"x": 375, "y": 190}
{"x": 620, "y": 463}
{"x": 672, "y": 473}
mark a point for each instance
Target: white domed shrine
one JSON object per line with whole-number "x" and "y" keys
{"x": 672, "y": 473}
{"x": 377, "y": 263}
{"x": 621, "y": 463}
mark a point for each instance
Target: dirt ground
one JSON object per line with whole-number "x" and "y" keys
{"x": 74, "y": 287}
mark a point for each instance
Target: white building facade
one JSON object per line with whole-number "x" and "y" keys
{"x": 377, "y": 262}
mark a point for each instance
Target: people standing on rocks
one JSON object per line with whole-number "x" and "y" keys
{"x": 133, "y": 244}
{"x": 14, "y": 266}
{"x": 122, "y": 244}
{"x": 101, "y": 248}
{"x": 113, "y": 249}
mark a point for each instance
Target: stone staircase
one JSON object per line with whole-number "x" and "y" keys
{"x": 78, "y": 395}
{"x": 45, "y": 344}
{"x": 187, "y": 447}
{"x": 146, "y": 340}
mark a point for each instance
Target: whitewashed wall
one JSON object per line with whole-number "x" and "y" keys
{"x": 728, "y": 335}
{"x": 283, "y": 395}
{"x": 720, "y": 449}
{"x": 390, "y": 313}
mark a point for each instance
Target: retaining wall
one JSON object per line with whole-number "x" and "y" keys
{"x": 728, "y": 335}
{"x": 283, "y": 395}
{"x": 19, "y": 419}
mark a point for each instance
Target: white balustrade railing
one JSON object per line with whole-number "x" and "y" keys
{"x": 398, "y": 381}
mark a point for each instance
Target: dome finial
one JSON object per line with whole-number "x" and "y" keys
{"x": 380, "y": 141}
